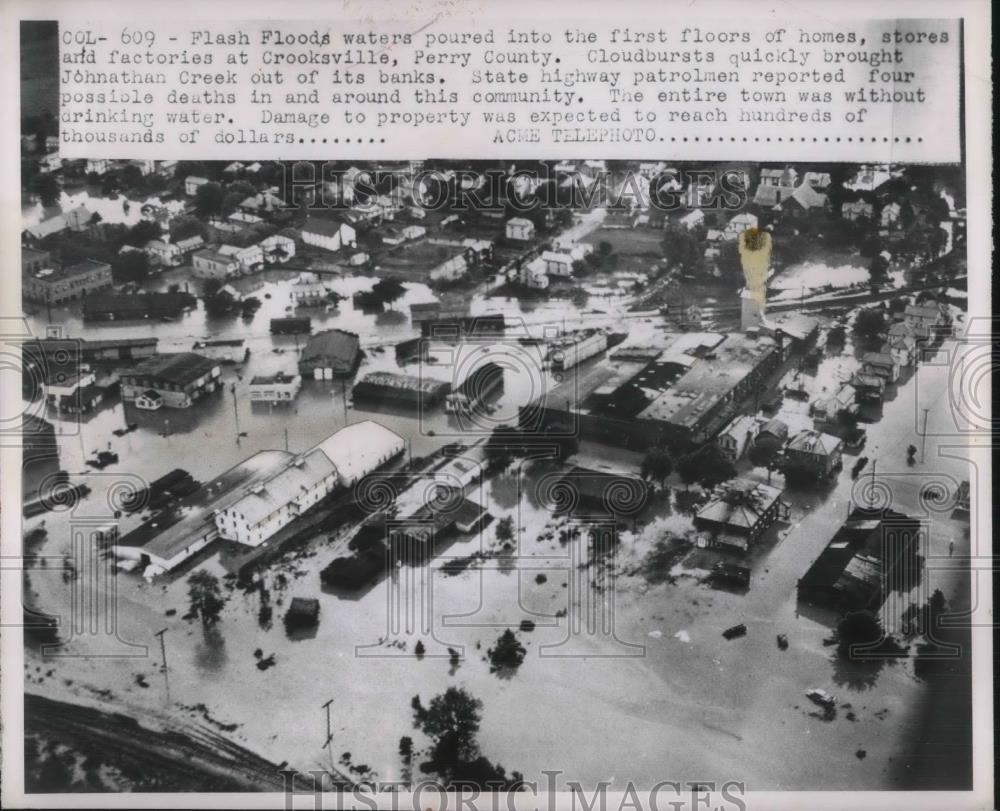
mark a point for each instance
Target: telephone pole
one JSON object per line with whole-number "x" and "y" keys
{"x": 923, "y": 440}
{"x": 286, "y": 440}
{"x": 163, "y": 666}
{"x": 236, "y": 412}
{"x": 328, "y": 743}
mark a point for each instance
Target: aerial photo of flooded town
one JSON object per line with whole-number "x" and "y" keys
{"x": 466, "y": 471}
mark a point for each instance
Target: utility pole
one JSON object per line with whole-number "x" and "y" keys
{"x": 343, "y": 397}
{"x": 163, "y": 648}
{"x": 328, "y": 743}
{"x": 286, "y": 440}
{"x": 163, "y": 655}
{"x": 236, "y": 412}
{"x": 923, "y": 440}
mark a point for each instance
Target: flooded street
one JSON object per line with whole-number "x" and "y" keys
{"x": 664, "y": 676}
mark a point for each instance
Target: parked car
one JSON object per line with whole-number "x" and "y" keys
{"x": 731, "y": 573}
{"x": 821, "y": 697}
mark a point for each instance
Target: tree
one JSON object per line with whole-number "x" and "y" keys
{"x": 388, "y": 290}
{"x": 451, "y": 721}
{"x": 406, "y": 756}
{"x": 707, "y": 466}
{"x": 141, "y": 233}
{"x": 869, "y": 324}
{"x": 208, "y": 199}
{"x": 857, "y": 628}
{"x": 764, "y": 453}
{"x": 47, "y": 189}
{"x": 507, "y": 654}
{"x": 681, "y": 248}
{"x": 131, "y": 177}
{"x": 131, "y": 266}
{"x": 505, "y": 529}
{"x": 656, "y": 465}
{"x": 205, "y": 596}
{"x": 878, "y": 269}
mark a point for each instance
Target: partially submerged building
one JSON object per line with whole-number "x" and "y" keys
{"x": 329, "y": 354}
{"x": 739, "y": 513}
{"x": 872, "y": 553}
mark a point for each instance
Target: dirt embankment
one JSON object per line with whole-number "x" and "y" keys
{"x": 69, "y": 747}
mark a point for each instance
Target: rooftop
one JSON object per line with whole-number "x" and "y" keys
{"x": 283, "y": 485}
{"x": 331, "y": 343}
{"x": 323, "y": 227}
{"x": 814, "y": 442}
{"x": 355, "y": 448}
{"x": 83, "y": 268}
{"x": 739, "y": 504}
{"x": 178, "y": 369}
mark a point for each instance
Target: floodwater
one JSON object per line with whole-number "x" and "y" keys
{"x": 805, "y": 278}
{"x": 117, "y": 210}
{"x": 674, "y": 698}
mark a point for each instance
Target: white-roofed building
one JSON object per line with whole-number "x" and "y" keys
{"x": 362, "y": 448}
{"x": 271, "y": 504}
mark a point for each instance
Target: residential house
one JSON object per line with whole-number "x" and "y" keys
{"x": 869, "y": 178}
{"x": 54, "y": 285}
{"x": 277, "y": 249}
{"x": 532, "y": 274}
{"x": 857, "y": 210}
{"x": 902, "y": 344}
{"x": 558, "y": 264}
{"x": 692, "y": 219}
{"x": 776, "y": 186}
{"x": 250, "y": 257}
{"x": 880, "y": 364}
{"x": 739, "y": 512}
{"x": 411, "y": 232}
{"x": 519, "y": 229}
{"x": 890, "y": 215}
{"x": 480, "y": 250}
{"x": 97, "y": 166}
{"x": 452, "y": 269}
{"x": 309, "y": 291}
{"x": 774, "y": 428}
{"x": 192, "y": 183}
{"x": 828, "y": 407}
{"x": 736, "y": 438}
{"x": 165, "y": 254}
{"x": 814, "y": 453}
{"x": 329, "y": 235}
{"x": 925, "y": 319}
{"x": 807, "y": 198}
{"x": 210, "y": 263}
{"x": 738, "y": 224}
{"x": 149, "y": 400}
{"x": 190, "y": 244}
{"x": 868, "y": 388}
{"x": 180, "y": 379}
{"x": 262, "y": 203}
